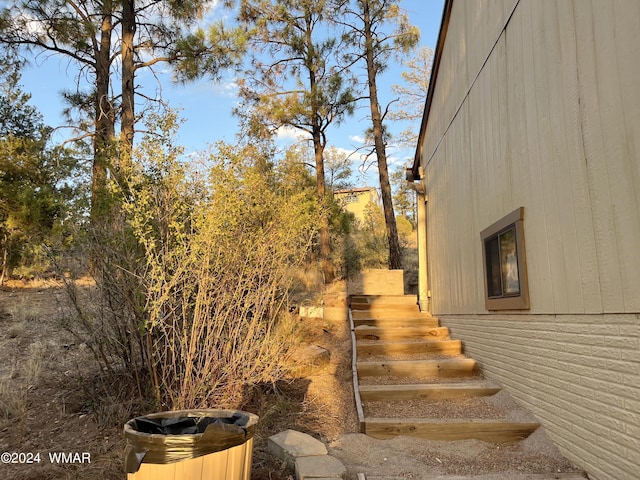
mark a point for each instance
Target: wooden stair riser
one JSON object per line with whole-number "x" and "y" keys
{"x": 446, "y": 368}
{"x": 407, "y": 333}
{"x": 436, "y": 347}
{"x": 378, "y": 393}
{"x": 386, "y": 308}
{"x": 388, "y": 313}
{"x": 358, "y": 300}
{"x": 496, "y": 432}
{"x": 397, "y": 322}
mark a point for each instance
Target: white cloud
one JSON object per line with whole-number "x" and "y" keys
{"x": 290, "y": 134}
{"x": 394, "y": 161}
{"x": 226, "y": 88}
{"x": 210, "y": 12}
{"x": 340, "y": 152}
{"x": 357, "y": 139}
{"x": 33, "y": 26}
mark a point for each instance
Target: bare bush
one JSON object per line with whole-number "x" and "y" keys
{"x": 193, "y": 276}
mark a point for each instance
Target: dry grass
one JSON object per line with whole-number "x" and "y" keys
{"x": 16, "y": 387}
{"x": 12, "y": 402}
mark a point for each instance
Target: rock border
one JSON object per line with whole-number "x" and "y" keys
{"x": 306, "y": 455}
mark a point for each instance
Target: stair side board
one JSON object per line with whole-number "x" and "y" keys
{"x": 449, "y": 429}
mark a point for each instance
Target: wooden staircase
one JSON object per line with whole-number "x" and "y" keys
{"x": 410, "y": 377}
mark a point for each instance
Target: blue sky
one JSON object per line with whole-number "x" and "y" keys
{"x": 206, "y": 106}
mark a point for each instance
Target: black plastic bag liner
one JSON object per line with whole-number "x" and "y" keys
{"x": 170, "y": 437}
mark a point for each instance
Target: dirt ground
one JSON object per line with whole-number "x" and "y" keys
{"x": 45, "y": 402}
{"x": 47, "y": 406}
{"x": 48, "y": 401}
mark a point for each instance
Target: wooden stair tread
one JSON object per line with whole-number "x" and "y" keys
{"x": 385, "y": 308}
{"x": 413, "y": 321}
{"x": 422, "y": 379}
{"x": 389, "y": 333}
{"x": 421, "y": 328}
{"x": 369, "y": 393}
{"x": 498, "y": 431}
{"x": 428, "y": 395}
{"x": 454, "y": 367}
{"x": 377, "y": 347}
{"x": 384, "y": 299}
{"x": 388, "y": 313}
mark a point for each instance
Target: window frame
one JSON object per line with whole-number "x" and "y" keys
{"x": 515, "y": 221}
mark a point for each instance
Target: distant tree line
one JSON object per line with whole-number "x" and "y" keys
{"x": 193, "y": 261}
{"x": 307, "y": 65}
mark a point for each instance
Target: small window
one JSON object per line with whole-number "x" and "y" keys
{"x": 505, "y": 267}
{"x": 350, "y": 198}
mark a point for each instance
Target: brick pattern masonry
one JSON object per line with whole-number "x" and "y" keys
{"x": 579, "y": 373}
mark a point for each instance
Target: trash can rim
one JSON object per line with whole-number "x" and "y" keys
{"x": 129, "y": 431}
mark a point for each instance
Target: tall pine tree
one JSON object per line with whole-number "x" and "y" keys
{"x": 295, "y": 82}
{"x": 378, "y": 30}
{"x": 107, "y": 41}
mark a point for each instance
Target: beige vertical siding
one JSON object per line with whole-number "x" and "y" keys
{"x": 463, "y": 58}
{"x": 551, "y": 122}
{"x": 541, "y": 109}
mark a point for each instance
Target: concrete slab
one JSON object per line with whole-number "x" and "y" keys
{"x": 377, "y": 282}
{"x": 323, "y": 466}
{"x": 291, "y": 444}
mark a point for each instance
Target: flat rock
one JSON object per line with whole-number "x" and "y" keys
{"x": 291, "y": 444}
{"x": 322, "y": 466}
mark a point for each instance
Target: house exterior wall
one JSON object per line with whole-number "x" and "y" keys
{"x": 357, "y": 200}
{"x": 537, "y": 105}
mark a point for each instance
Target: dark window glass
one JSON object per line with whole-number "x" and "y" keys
{"x": 502, "y": 264}
{"x": 494, "y": 283}
{"x": 509, "y": 263}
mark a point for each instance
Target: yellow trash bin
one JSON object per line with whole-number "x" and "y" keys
{"x": 190, "y": 445}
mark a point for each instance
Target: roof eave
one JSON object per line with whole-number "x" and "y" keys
{"x": 444, "y": 25}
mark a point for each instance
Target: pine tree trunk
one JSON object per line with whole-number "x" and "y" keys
{"x": 319, "y": 143}
{"x": 325, "y": 237}
{"x": 395, "y": 255}
{"x": 128, "y": 77}
{"x": 105, "y": 118}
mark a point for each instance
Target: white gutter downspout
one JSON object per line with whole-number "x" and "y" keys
{"x": 423, "y": 278}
